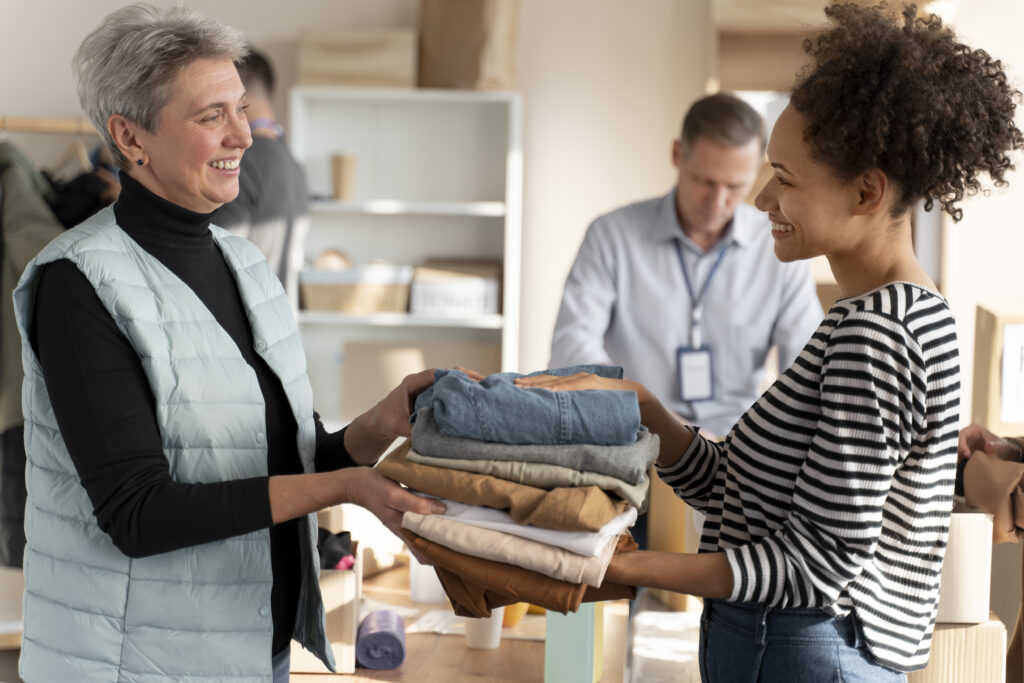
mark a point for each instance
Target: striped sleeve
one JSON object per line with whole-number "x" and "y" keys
{"x": 873, "y": 394}
{"x": 692, "y": 477}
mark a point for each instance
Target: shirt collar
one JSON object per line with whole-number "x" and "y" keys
{"x": 739, "y": 231}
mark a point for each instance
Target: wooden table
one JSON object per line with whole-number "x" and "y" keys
{"x": 434, "y": 658}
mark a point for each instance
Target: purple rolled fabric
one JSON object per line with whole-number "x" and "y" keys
{"x": 380, "y": 641}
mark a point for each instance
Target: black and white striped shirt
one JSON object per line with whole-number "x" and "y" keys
{"x": 834, "y": 490}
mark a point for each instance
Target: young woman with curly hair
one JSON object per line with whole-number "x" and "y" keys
{"x": 828, "y": 503}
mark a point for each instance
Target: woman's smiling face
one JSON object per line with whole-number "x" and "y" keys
{"x": 193, "y": 157}
{"x": 808, "y": 206}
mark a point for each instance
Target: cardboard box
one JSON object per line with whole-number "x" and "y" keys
{"x": 371, "y": 288}
{"x": 989, "y": 391}
{"x": 341, "y": 591}
{"x": 370, "y": 371}
{"x": 974, "y": 653}
{"x": 455, "y": 288}
{"x": 670, "y": 529}
{"x": 381, "y": 57}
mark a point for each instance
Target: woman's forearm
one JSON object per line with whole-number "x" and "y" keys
{"x": 674, "y": 435}
{"x": 707, "y": 575}
{"x": 294, "y": 495}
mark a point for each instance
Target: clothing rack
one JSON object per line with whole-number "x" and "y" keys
{"x": 58, "y": 126}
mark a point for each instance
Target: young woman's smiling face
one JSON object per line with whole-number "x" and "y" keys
{"x": 808, "y": 206}
{"x": 193, "y": 157}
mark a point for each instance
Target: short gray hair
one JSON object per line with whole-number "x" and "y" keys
{"x": 724, "y": 118}
{"x": 127, "y": 65}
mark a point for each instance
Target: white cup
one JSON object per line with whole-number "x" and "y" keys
{"x": 485, "y": 634}
{"x": 424, "y": 586}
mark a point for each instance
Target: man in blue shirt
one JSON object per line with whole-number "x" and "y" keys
{"x": 684, "y": 290}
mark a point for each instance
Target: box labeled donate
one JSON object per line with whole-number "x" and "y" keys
{"x": 456, "y": 288}
{"x": 341, "y": 590}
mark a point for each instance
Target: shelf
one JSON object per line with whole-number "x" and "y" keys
{"x": 479, "y": 322}
{"x": 411, "y": 95}
{"x": 401, "y": 206}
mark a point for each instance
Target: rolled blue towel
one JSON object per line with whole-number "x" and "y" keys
{"x": 380, "y": 641}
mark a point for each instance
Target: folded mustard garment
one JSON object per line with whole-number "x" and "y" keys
{"x": 585, "y": 508}
{"x": 542, "y": 475}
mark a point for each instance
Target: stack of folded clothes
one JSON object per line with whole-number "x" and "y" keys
{"x": 541, "y": 488}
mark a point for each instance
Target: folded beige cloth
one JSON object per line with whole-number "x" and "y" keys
{"x": 542, "y": 475}
{"x": 542, "y": 558}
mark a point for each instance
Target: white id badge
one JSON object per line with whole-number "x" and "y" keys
{"x": 696, "y": 382}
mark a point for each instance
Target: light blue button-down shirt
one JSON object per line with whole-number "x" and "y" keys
{"x": 626, "y": 302}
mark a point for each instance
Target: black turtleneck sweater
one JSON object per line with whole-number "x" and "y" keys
{"x": 106, "y": 412}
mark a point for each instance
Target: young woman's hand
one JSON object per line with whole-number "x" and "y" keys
{"x": 579, "y": 382}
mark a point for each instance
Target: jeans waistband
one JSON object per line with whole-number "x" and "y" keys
{"x": 766, "y": 623}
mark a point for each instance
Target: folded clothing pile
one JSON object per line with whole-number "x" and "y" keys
{"x": 541, "y": 488}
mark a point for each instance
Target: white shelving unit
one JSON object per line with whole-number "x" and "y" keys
{"x": 438, "y": 174}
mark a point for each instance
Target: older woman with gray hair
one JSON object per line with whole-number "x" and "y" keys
{"x": 174, "y": 457}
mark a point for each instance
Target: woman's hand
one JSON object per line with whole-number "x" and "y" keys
{"x": 387, "y": 500}
{"x": 579, "y": 382}
{"x": 472, "y": 374}
{"x": 373, "y": 431}
{"x": 974, "y": 437}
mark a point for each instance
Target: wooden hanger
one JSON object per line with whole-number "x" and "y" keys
{"x": 46, "y": 125}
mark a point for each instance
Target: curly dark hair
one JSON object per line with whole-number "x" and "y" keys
{"x": 907, "y": 98}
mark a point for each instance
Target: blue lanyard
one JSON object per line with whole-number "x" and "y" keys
{"x": 697, "y": 302}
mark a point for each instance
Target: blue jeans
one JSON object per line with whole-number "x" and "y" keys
{"x": 497, "y": 410}
{"x": 282, "y": 664}
{"x": 746, "y": 643}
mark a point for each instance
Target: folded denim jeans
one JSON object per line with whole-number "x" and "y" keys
{"x": 629, "y": 462}
{"x": 495, "y": 409}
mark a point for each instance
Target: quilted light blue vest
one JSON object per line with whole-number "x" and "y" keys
{"x": 201, "y": 613}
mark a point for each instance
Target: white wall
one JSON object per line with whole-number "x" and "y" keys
{"x": 38, "y": 38}
{"x": 604, "y": 87}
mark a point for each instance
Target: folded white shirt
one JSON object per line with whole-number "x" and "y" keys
{"x": 582, "y": 542}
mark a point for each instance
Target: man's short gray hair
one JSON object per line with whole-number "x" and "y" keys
{"x": 128, "y": 64}
{"x": 724, "y": 118}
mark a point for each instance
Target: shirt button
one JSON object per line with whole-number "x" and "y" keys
{"x": 264, "y": 611}
{"x": 261, "y": 437}
{"x": 261, "y": 345}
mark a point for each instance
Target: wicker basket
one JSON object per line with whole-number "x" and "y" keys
{"x": 376, "y": 288}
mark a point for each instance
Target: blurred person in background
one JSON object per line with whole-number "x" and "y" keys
{"x": 272, "y": 207}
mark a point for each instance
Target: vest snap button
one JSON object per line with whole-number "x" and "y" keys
{"x": 264, "y": 611}
{"x": 261, "y": 345}
{"x": 261, "y": 437}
